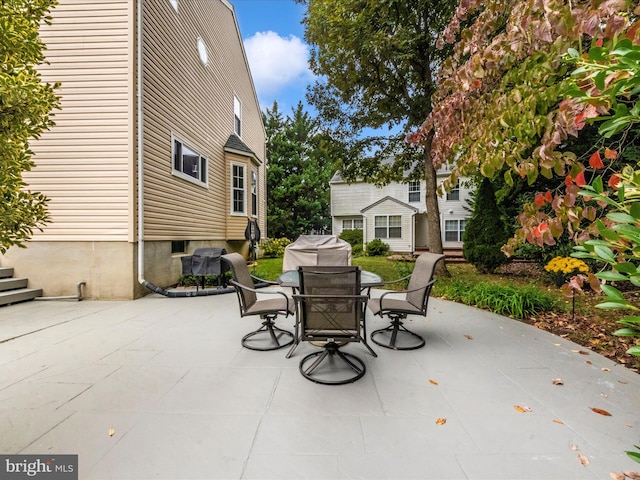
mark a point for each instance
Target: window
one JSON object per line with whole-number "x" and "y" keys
{"x": 454, "y": 194}
{"x": 202, "y": 52}
{"x": 178, "y": 246}
{"x": 414, "y": 191}
{"x": 238, "y": 189}
{"x": 254, "y": 192}
{"x": 237, "y": 116}
{"x": 188, "y": 164}
{"x": 454, "y": 230}
{"x": 174, "y": 4}
{"x": 352, "y": 224}
{"x": 388, "y": 226}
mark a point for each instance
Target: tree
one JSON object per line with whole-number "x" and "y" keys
{"x": 486, "y": 231}
{"x": 25, "y": 112}
{"x": 376, "y": 61}
{"x": 297, "y": 175}
{"x": 500, "y": 105}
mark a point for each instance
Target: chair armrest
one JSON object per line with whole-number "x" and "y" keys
{"x": 257, "y": 292}
{"x": 392, "y": 292}
{"x": 262, "y": 280}
{"x": 397, "y": 280}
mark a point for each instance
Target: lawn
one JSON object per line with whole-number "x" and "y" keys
{"x": 519, "y": 290}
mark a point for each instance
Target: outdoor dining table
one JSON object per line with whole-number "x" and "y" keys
{"x": 367, "y": 279}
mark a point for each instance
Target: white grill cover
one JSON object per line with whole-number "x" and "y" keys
{"x": 304, "y": 251}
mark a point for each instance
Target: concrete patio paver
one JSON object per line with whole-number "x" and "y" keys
{"x": 186, "y": 401}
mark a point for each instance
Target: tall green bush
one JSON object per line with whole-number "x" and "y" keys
{"x": 377, "y": 248}
{"x": 486, "y": 232}
{"x": 353, "y": 237}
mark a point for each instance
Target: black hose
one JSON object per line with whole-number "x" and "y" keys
{"x": 192, "y": 293}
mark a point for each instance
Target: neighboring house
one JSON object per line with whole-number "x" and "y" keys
{"x": 202, "y": 147}
{"x": 396, "y": 213}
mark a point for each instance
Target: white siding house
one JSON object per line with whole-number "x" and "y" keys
{"x": 396, "y": 213}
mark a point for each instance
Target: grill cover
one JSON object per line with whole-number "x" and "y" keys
{"x": 204, "y": 261}
{"x": 304, "y": 251}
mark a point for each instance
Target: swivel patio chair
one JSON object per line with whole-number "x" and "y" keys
{"x": 253, "y": 302}
{"x": 330, "y": 311}
{"x": 416, "y": 298}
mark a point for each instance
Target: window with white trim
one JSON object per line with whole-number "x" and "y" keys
{"x": 188, "y": 163}
{"x": 254, "y": 192}
{"x": 454, "y": 194}
{"x": 454, "y": 230}
{"x": 237, "y": 116}
{"x": 238, "y": 189}
{"x": 352, "y": 224}
{"x": 414, "y": 191}
{"x": 174, "y": 4}
{"x": 388, "y": 226}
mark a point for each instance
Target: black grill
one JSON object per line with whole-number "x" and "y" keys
{"x": 206, "y": 261}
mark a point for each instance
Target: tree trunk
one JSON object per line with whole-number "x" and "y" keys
{"x": 433, "y": 210}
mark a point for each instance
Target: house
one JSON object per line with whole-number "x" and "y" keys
{"x": 158, "y": 149}
{"x": 396, "y": 213}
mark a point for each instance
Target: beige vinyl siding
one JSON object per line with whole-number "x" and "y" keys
{"x": 83, "y": 164}
{"x": 194, "y": 102}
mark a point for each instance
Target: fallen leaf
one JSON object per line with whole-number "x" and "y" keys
{"x": 112, "y": 431}
{"x": 573, "y": 447}
{"x": 433, "y": 382}
{"x": 558, "y": 421}
{"x": 624, "y": 382}
{"x": 617, "y": 476}
{"x": 588, "y": 362}
{"x": 522, "y": 409}
{"x": 557, "y": 381}
{"x": 601, "y": 412}
{"x": 441, "y": 421}
{"x": 583, "y": 460}
{"x": 628, "y": 425}
{"x": 581, "y": 352}
{"x": 633, "y": 475}
{"x": 468, "y": 337}
{"x": 605, "y": 369}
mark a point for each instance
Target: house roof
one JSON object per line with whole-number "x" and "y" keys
{"x": 235, "y": 145}
{"x": 388, "y": 198}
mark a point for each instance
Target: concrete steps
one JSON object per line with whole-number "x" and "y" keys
{"x": 14, "y": 290}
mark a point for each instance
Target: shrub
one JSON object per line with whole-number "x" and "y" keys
{"x": 353, "y": 237}
{"x": 515, "y": 302}
{"x": 486, "y": 232}
{"x": 377, "y": 248}
{"x": 357, "y": 250}
{"x": 274, "y": 247}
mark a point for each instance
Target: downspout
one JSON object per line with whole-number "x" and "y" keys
{"x": 139, "y": 95}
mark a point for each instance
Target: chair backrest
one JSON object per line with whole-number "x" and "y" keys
{"x": 241, "y": 277}
{"x": 331, "y": 256}
{"x": 422, "y": 274}
{"x": 330, "y": 305}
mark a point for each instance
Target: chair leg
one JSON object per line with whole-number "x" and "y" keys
{"x": 271, "y": 332}
{"x": 396, "y": 327}
{"x": 331, "y": 352}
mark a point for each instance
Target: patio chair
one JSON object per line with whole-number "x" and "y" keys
{"x": 330, "y": 310}
{"x": 268, "y": 336}
{"x": 416, "y": 298}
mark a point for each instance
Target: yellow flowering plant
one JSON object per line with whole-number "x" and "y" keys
{"x": 561, "y": 269}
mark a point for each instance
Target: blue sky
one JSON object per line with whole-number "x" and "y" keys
{"x": 274, "y": 41}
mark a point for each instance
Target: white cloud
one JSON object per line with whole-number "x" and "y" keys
{"x": 277, "y": 62}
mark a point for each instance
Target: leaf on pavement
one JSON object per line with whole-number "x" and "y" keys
{"x": 433, "y": 382}
{"x": 558, "y": 421}
{"x": 112, "y": 431}
{"x": 468, "y": 337}
{"x": 557, "y": 381}
{"x": 581, "y": 352}
{"x": 601, "y": 411}
{"x": 633, "y": 475}
{"x": 617, "y": 476}
{"x": 441, "y": 421}
{"x": 583, "y": 460}
{"x": 522, "y": 409}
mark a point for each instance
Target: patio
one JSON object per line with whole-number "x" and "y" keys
{"x": 184, "y": 400}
